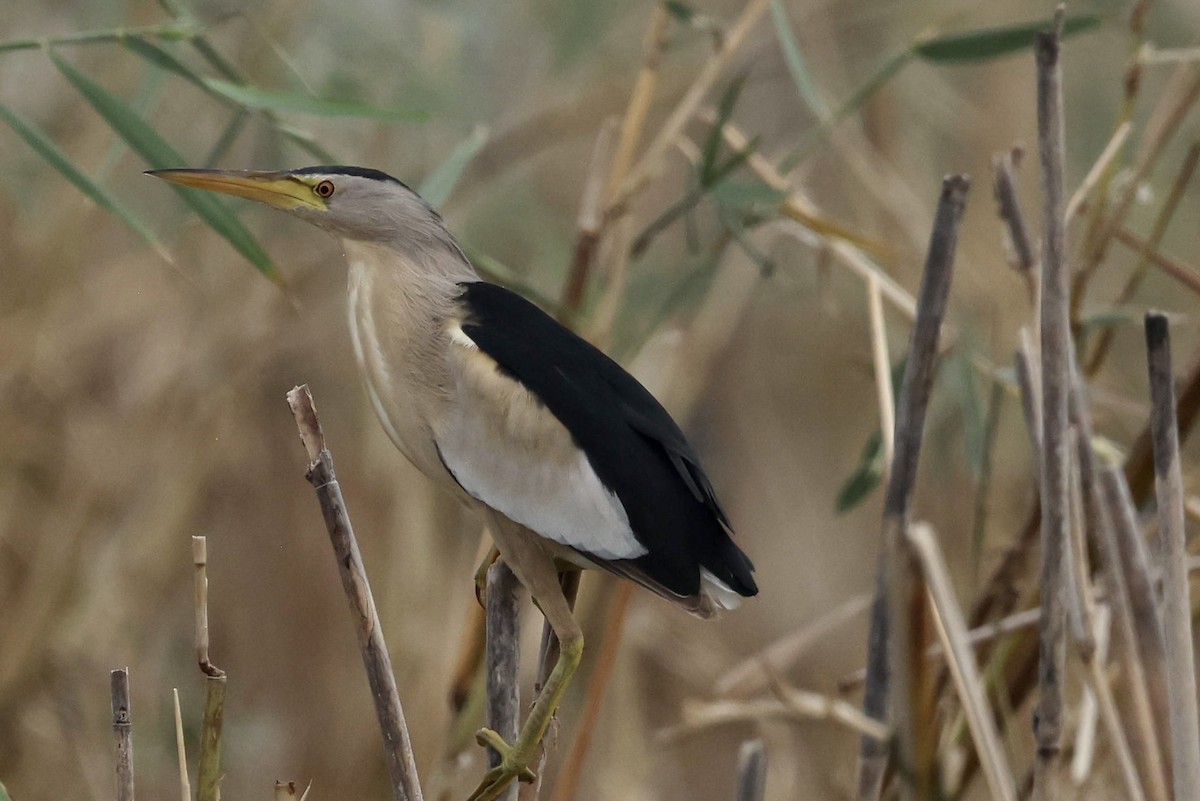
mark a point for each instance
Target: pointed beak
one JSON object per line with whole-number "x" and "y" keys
{"x": 279, "y": 189}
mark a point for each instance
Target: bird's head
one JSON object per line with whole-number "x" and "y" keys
{"x": 352, "y": 203}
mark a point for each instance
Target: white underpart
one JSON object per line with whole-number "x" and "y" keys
{"x": 507, "y": 450}
{"x": 722, "y": 594}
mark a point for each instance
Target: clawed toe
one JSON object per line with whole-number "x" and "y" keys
{"x": 513, "y": 765}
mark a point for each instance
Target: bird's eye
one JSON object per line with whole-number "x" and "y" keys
{"x": 324, "y": 189}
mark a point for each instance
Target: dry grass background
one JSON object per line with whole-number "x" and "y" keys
{"x": 142, "y": 403}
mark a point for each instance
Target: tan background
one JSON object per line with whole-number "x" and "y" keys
{"x": 141, "y": 404}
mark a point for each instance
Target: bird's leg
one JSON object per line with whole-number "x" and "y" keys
{"x": 516, "y": 758}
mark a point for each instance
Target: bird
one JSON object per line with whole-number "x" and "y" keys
{"x": 567, "y": 459}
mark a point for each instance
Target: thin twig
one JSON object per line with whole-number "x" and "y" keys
{"x": 185, "y": 785}
{"x": 952, "y": 631}
{"x": 752, "y": 675}
{"x": 503, "y": 647}
{"x": 1156, "y": 145}
{"x": 1183, "y": 273}
{"x": 1055, "y": 464}
{"x": 751, "y": 771}
{"x": 1161, "y": 221}
{"x": 1177, "y": 609}
{"x": 401, "y": 766}
{"x": 651, "y": 161}
{"x": 894, "y": 594}
{"x": 799, "y": 705}
{"x": 122, "y": 725}
{"x": 883, "y": 372}
{"x": 1099, "y": 167}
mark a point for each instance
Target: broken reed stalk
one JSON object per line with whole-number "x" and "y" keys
{"x": 503, "y": 646}
{"x": 401, "y": 766}
{"x": 1055, "y": 462}
{"x": 751, "y": 771}
{"x": 1177, "y": 610}
{"x": 122, "y": 725}
{"x": 897, "y": 597}
{"x": 1004, "y": 189}
{"x": 208, "y": 773}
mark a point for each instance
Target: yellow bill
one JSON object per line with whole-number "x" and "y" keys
{"x": 283, "y": 190}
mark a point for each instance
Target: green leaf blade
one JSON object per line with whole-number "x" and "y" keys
{"x": 260, "y": 99}
{"x": 989, "y": 43}
{"x": 164, "y": 60}
{"x": 155, "y": 150}
{"x": 59, "y": 160}
{"x": 441, "y": 182}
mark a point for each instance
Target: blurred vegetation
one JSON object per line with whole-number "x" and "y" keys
{"x": 143, "y": 366}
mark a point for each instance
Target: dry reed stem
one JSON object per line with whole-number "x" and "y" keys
{"x": 797, "y": 705}
{"x": 1149, "y": 54}
{"x": 988, "y": 632}
{"x": 122, "y": 725}
{"x": 1088, "y": 713}
{"x": 1099, "y": 167}
{"x": 398, "y": 747}
{"x": 897, "y": 598}
{"x": 208, "y": 772}
{"x": 1184, "y": 274}
{"x": 185, "y": 785}
{"x": 588, "y": 224}
{"x": 753, "y": 674}
{"x": 1078, "y": 570}
{"x": 1151, "y": 152}
{"x": 634, "y": 120}
{"x": 1134, "y": 651}
{"x": 802, "y": 213}
{"x": 883, "y": 372}
{"x": 200, "y": 605}
{"x": 1004, "y": 189}
{"x": 751, "y": 771}
{"x": 795, "y": 205}
{"x": 1159, "y": 228}
{"x": 1098, "y": 683}
{"x": 1030, "y": 385}
{"x": 502, "y": 631}
{"x": 1055, "y": 463}
{"x": 952, "y": 631}
{"x": 1177, "y": 609}
{"x": 652, "y": 159}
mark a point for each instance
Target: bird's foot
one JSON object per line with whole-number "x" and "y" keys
{"x": 514, "y": 764}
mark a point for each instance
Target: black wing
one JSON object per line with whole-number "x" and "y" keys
{"x": 631, "y": 442}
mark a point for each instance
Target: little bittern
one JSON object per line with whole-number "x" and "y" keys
{"x": 566, "y": 457}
